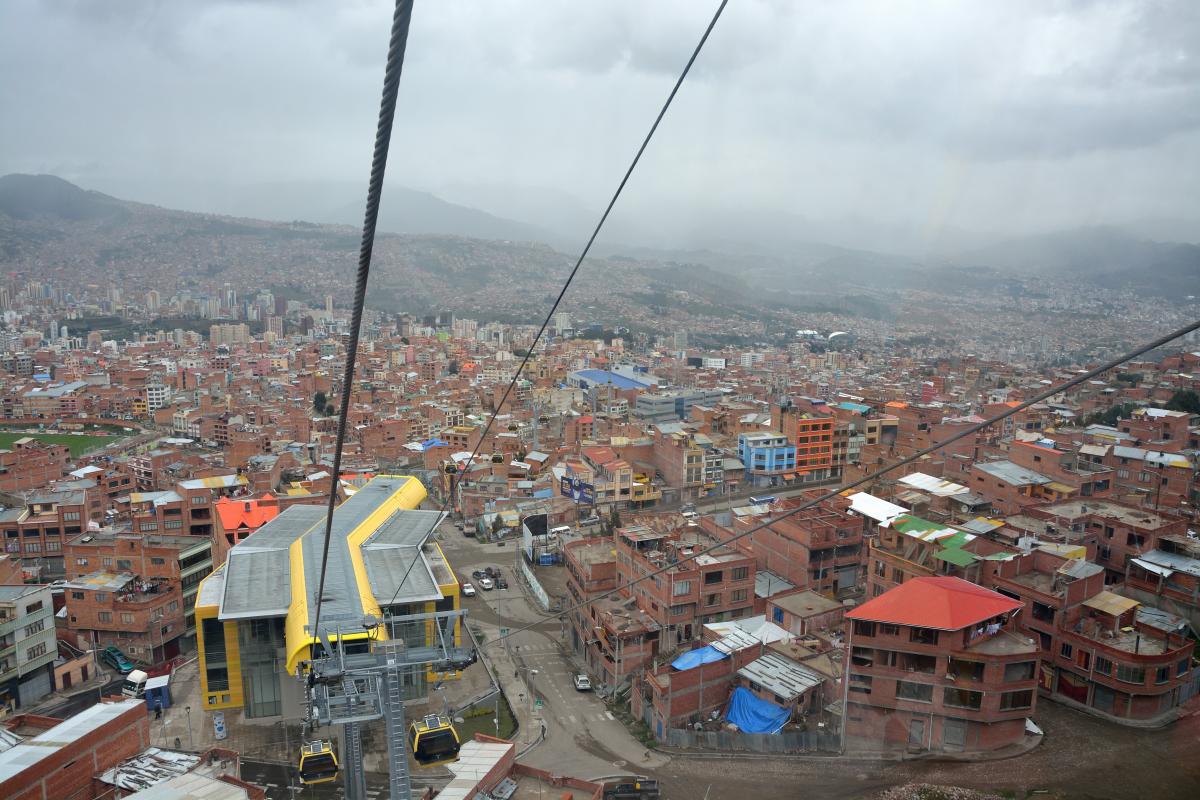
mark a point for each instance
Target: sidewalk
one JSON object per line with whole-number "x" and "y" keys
{"x": 521, "y": 698}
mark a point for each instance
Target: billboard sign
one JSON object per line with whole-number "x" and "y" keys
{"x": 577, "y": 490}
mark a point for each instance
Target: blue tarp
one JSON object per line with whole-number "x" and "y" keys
{"x": 753, "y": 715}
{"x": 428, "y": 443}
{"x": 694, "y": 658}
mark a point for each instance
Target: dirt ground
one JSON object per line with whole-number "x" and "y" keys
{"x": 1082, "y": 758}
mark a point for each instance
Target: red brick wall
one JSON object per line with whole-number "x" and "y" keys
{"x": 67, "y": 773}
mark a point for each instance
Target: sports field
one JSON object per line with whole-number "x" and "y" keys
{"x": 83, "y": 443}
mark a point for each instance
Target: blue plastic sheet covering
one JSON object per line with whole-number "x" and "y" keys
{"x": 752, "y": 715}
{"x": 694, "y": 658}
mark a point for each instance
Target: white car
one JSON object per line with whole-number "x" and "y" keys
{"x": 468, "y": 590}
{"x": 583, "y": 683}
{"x": 486, "y": 583}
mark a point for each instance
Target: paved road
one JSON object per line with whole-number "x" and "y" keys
{"x": 84, "y": 700}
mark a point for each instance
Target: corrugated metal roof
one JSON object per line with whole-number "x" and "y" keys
{"x": 935, "y": 486}
{"x": 1012, "y": 473}
{"x": 1173, "y": 561}
{"x": 875, "y": 508}
{"x": 1111, "y": 603}
{"x": 781, "y": 676}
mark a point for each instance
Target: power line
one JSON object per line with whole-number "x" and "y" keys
{"x": 575, "y": 269}
{"x": 1048, "y": 393}
{"x": 383, "y": 137}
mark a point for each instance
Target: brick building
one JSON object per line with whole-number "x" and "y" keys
{"x": 181, "y": 562}
{"x": 820, "y": 548}
{"x": 63, "y": 759}
{"x": 935, "y": 665}
{"x": 31, "y": 464}
{"x": 1098, "y": 649}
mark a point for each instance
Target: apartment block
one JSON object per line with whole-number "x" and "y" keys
{"x": 936, "y": 665}
{"x": 27, "y": 648}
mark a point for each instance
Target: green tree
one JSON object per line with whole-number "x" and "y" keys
{"x": 1185, "y": 400}
{"x": 319, "y": 401}
{"x": 614, "y": 519}
{"x": 329, "y": 409}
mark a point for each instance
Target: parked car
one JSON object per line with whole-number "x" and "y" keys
{"x": 477, "y": 574}
{"x": 582, "y": 683}
{"x": 468, "y": 590}
{"x": 501, "y": 583}
{"x": 491, "y": 572}
{"x": 486, "y": 583}
{"x": 116, "y": 659}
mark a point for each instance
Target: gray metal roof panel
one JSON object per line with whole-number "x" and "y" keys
{"x": 781, "y": 676}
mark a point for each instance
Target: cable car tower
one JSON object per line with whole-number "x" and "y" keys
{"x": 354, "y": 688}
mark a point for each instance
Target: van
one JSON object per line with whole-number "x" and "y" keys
{"x": 689, "y": 515}
{"x": 135, "y": 684}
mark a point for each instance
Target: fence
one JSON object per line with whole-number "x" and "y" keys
{"x": 736, "y": 741}
{"x": 539, "y": 593}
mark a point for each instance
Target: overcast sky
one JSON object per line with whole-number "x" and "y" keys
{"x": 1000, "y": 116}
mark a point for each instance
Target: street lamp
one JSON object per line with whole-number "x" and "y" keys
{"x": 191, "y": 743}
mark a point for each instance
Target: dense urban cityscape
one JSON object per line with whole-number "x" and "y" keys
{"x": 840, "y": 440}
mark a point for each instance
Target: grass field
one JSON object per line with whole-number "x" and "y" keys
{"x": 78, "y": 444}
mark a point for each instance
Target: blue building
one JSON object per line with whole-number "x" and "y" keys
{"x": 767, "y": 456}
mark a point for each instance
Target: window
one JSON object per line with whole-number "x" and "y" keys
{"x": 915, "y": 662}
{"x": 1130, "y": 674}
{"x": 1066, "y": 650}
{"x": 148, "y": 526}
{"x": 105, "y": 616}
{"x": 126, "y": 618}
{"x": 35, "y": 628}
{"x": 682, "y": 587}
{"x": 33, "y": 547}
{"x": 966, "y": 670}
{"x": 906, "y": 690}
{"x": 106, "y": 561}
{"x": 70, "y": 516}
{"x": 880, "y": 569}
{"x": 860, "y": 683}
{"x": 1162, "y": 675}
{"x": 713, "y": 577}
{"x": 677, "y": 610}
{"x": 172, "y": 524}
{"x": 101, "y": 597}
{"x": 37, "y": 650}
{"x": 199, "y": 500}
{"x": 740, "y": 573}
{"x": 962, "y": 698}
{"x": 923, "y": 636}
{"x": 81, "y": 562}
{"x": 712, "y": 599}
{"x": 1012, "y": 701}
{"x": 897, "y": 575}
{"x": 1103, "y": 665}
{"x": 888, "y": 629}
{"x": 1021, "y": 671}
{"x": 124, "y": 565}
{"x": 174, "y": 606}
{"x": 53, "y": 547}
{"x": 738, "y": 595}
{"x": 76, "y": 595}
{"x": 1042, "y": 612}
{"x": 864, "y": 628}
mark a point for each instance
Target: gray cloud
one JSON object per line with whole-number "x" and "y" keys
{"x": 999, "y": 116}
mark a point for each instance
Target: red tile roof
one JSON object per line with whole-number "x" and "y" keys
{"x": 246, "y": 514}
{"x": 947, "y": 604}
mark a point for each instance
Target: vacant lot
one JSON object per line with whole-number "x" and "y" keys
{"x": 83, "y": 443}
